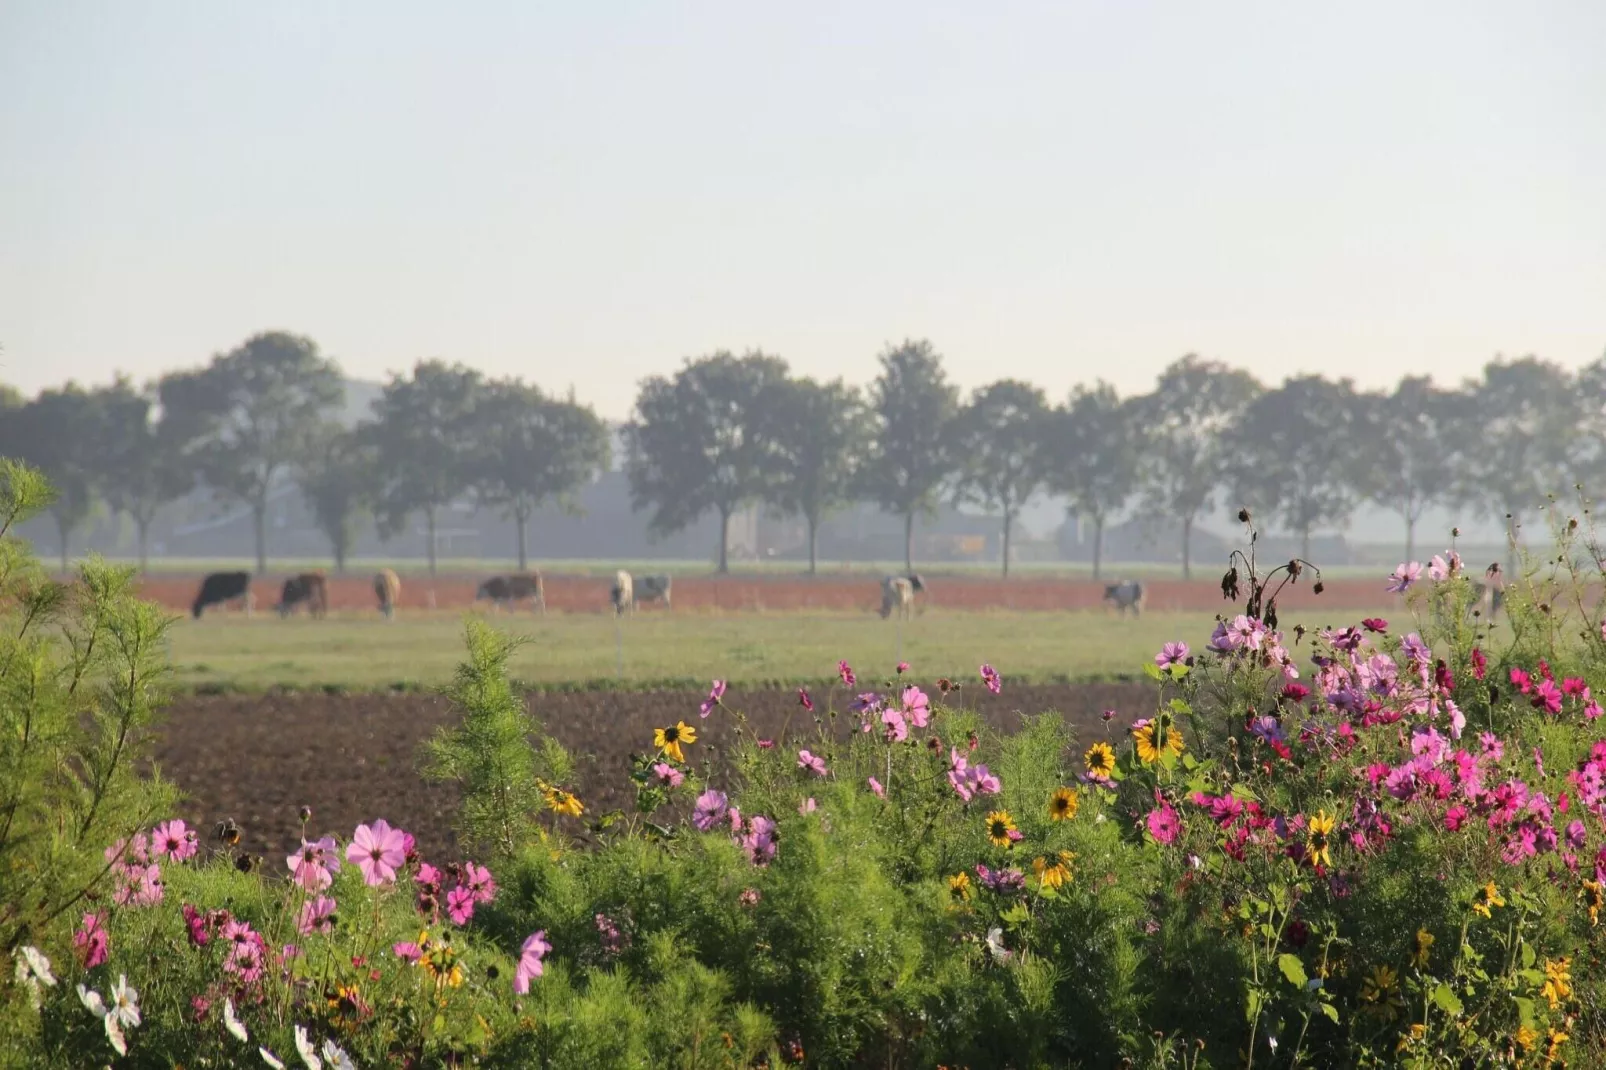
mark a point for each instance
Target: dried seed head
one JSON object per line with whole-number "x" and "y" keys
{"x": 1319, "y": 588}
{"x": 306, "y": 814}
{"x": 1294, "y": 568}
{"x": 1455, "y": 533}
{"x": 1229, "y": 584}
{"x": 1271, "y": 614}
{"x": 1243, "y": 515}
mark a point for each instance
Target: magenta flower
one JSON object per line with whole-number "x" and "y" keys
{"x": 875, "y": 786}
{"x": 196, "y": 923}
{"x": 477, "y": 879}
{"x": 812, "y": 762}
{"x": 530, "y": 956}
{"x": 175, "y": 840}
{"x": 1171, "y": 654}
{"x": 408, "y": 952}
{"x": 846, "y": 672}
{"x": 917, "y": 705}
{"x": 1455, "y": 817}
{"x": 804, "y": 700}
{"x": 91, "y": 942}
{"x": 668, "y": 776}
{"x": 1375, "y": 624}
{"x": 709, "y": 809}
{"x": 1401, "y": 579}
{"x": 1547, "y": 696}
{"x": 990, "y": 676}
{"x": 1163, "y": 824}
{"x": 903, "y": 667}
{"x": 379, "y": 851}
{"x": 713, "y": 698}
{"x": 314, "y": 865}
{"x": 460, "y": 905}
{"x": 317, "y": 915}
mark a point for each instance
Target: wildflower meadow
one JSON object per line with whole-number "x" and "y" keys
{"x": 1382, "y": 844}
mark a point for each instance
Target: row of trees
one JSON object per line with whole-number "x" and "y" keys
{"x": 727, "y": 432}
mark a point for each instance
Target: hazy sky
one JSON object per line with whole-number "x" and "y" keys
{"x": 586, "y": 193}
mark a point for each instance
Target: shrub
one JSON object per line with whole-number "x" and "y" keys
{"x": 1386, "y": 850}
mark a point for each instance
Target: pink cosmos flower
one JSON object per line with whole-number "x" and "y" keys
{"x": 875, "y": 786}
{"x": 714, "y": 695}
{"x": 749, "y": 897}
{"x": 1171, "y": 654}
{"x": 195, "y": 922}
{"x": 846, "y": 672}
{"x": 917, "y": 705}
{"x": 1455, "y": 817}
{"x": 378, "y": 850}
{"x": 709, "y": 809}
{"x": 903, "y": 667}
{"x": 668, "y": 776}
{"x": 990, "y": 677}
{"x": 759, "y": 843}
{"x": 175, "y": 840}
{"x": 812, "y": 762}
{"x": 314, "y": 865}
{"x": 408, "y": 952}
{"x": 460, "y": 905}
{"x": 91, "y": 942}
{"x": 613, "y": 941}
{"x": 1438, "y": 569}
{"x": 897, "y": 729}
{"x": 1401, "y": 579}
{"x": 317, "y": 915}
{"x": 477, "y": 879}
{"x": 1163, "y": 824}
{"x": 804, "y": 700}
{"x": 137, "y": 850}
{"x": 807, "y": 806}
{"x": 1547, "y": 697}
{"x": 766, "y": 744}
{"x": 1521, "y": 681}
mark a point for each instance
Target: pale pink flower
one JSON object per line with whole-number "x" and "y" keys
{"x": 317, "y": 915}
{"x": 668, "y": 776}
{"x": 812, "y": 762}
{"x": 807, "y": 806}
{"x": 530, "y": 956}
{"x": 460, "y": 905}
{"x": 875, "y": 786}
{"x": 314, "y": 865}
{"x": 917, "y": 705}
{"x": 175, "y": 840}
{"x": 378, "y": 850}
{"x": 477, "y": 879}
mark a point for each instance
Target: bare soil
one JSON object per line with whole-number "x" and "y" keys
{"x": 352, "y": 758}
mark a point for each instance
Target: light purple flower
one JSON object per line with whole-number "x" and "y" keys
{"x": 1171, "y": 654}
{"x": 378, "y": 850}
{"x": 709, "y": 809}
{"x": 990, "y": 677}
{"x": 530, "y": 956}
{"x": 812, "y": 762}
{"x": 1401, "y": 579}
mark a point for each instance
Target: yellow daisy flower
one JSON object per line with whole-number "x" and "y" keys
{"x": 1558, "y": 981}
{"x": 562, "y": 802}
{"x": 1488, "y": 897}
{"x": 669, "y": 740}
{"x": 1420, "y": 948}
{"x": 1052, "y": 876}
{"x": 1063, "y": 804}
{"x": 1156, "y": 738}
{"x": 1526, "y": 1035}
{"x": 999, "y": 827}
{"x": 1100, "y": 760}
{"x": 1317, "y": 833}
{"x": 1594, "y": 897}
{"x": 959, "y": 886}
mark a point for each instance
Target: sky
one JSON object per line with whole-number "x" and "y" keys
{"x": 586, "y": 194}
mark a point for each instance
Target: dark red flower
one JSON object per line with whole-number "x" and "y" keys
{"x": 1375, "y": 624}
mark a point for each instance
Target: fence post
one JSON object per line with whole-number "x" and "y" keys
{"x": 618, "y": 648}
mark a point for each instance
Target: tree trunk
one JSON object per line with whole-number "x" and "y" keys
{"x": 1187, "y": 541}
{"x": 338, "y": 545}
{"x": 909, "y": 541}
{"x": 814, "y": 542}
{"x": 1410, "y": 534}
{"x": 259, "y": 520}
{"x": 1098, "y": 546}
{"x": 66, "y": 534}
{"x": 429, "y": 523}
{"x": 724, "y": 540}
{"x": 1007, "y": 519}
{"x": 1513, "y": 525}
{"x": 142, "y": 528}
{"x": 521, "y": 520}
{"x": 1304, "y": 544}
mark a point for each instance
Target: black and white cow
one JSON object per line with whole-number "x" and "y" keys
{"x": 652, "y": 589}
{"x": 505, "y": 590}
{"x": 1128, "y": 594}
{"x": 898, "y": 594}
{"x": 220, "y": 587}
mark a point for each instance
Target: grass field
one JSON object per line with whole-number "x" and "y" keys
{"x": 748, "y": 648}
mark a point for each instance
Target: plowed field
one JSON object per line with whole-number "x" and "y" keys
{"x": 257, "y": 758}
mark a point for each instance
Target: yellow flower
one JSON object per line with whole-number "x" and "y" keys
{"x": 1052, "y": 876}
{"x": 1063, "y": 804}
{"x": 562, "y": 801}
{"x": 1419, "y": 952}
{"x": 999, "y": 827}
{"x": 1100, "y": 760}
{"x": 1155, "y": 739}
{"x": 1526, "y": 1035}
{"x": 1316, "y": 839}
{"x": 1380, "y": 991}
{"x": 1488, "y": 896}
{"x": 439, "y": 960}
{"x": 1558, "y": 981}
{"x": 1411, "y": 1036}
{"x": 959, "y": 886}
{"x": 669, "y": 740}
{"x": 1594, "y": 899}
{"x": 1557, "y": 1039}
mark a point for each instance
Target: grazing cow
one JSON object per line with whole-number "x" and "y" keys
{"x": 1490, "y": 595}
{"x": 309, "y": 589}
{"x": 652, "y": 589}
{"x": 220, "y": 587}
{"x": 898, "y": 593}
{"x": 505, "y": 590}
{"x": 623, "y": 594}
{"x": 1125, "y": 595}
{"x": 387, "y": 588}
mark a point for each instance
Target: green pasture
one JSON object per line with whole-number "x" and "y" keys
{"x": 362, "y": 652}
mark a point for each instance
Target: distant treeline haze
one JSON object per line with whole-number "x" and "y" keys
{"x": 725, "y": 432}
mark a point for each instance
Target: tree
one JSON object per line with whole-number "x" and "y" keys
{"x": 251, "y": 414}
{"x": 702, "y": 441}
{"x": 1000, "y": 437}
{"x": 1192, "y": 404}
{"x": 1518, "y": 445}
{"x": 910, "y": 457}
{"x": 819, "y": 431}
{"x": 1093, "y": 449}
{"x": 1408, "y": 451}
{"x": 337, "y": 479}
{"x": 423, "y": 436}
{"x": 1294, "y": 453}
{"x": 57, "y": 434}
{"x": 139, "y": 464}
{"x": 532, "y": 449}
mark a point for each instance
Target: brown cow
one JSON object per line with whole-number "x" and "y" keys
{"x": 309, "y": 589}
{"x": 387, "y": 588}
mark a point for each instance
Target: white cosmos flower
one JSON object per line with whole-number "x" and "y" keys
{"x": 125, "y": 1002}
{"x": 233, "y": 1024}
{"x": 91, "y": 1001}
{"x": 114, "y": 1033}
{"x": 271, "y": 1059}
{"x": 995, "y": 944}
{"x": 309, "y": 1054}
{"x": 38, "y": 965}
{"x": 336, "y": 1057}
